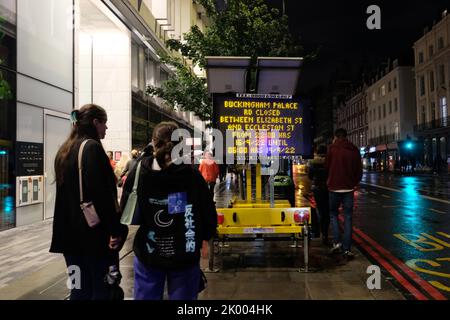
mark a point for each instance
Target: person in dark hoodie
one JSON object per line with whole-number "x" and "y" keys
{"x": 177, "y": 218}
{"x": 318, "y": 174}
{"x": 344, "y": 166}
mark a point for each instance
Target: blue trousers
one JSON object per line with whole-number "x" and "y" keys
{"x": 149, "y": 283}
{"x": 346, "y": 198}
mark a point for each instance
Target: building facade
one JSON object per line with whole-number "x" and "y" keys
{"x": 432, "y": 73}
{"x": 352, "y": 116}
{"x": 391, "y": 113}
{"x": 58, "y": 55}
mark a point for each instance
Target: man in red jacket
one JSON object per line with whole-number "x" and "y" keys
{"x": 344, "y": 166}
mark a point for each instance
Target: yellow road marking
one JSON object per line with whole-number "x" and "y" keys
{"x": 413, "y": 265}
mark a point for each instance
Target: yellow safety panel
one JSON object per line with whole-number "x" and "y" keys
{"x": 259, "y": 230}
{"x": 260, "y": 216}
{"x": 261, "y": 204}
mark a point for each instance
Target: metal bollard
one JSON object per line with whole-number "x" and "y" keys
{"x": 305, "y": 232}
{"x": 306, "y": 246}
{"x": 211, "y": 257}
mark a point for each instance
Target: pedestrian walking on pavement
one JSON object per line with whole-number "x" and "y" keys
{"x": 130, "y": 164}
{"x": 111, "y": 159}
{"x": 120, "y": 167}
{"x": 177, "y": 218}
{"x": 209, "y": 170}
{"x": 94, "y": 250}
{"x": 319, "y": 174}
{"x": 344, "y": 166}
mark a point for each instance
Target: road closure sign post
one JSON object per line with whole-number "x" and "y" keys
{"x": 272, "y": 124}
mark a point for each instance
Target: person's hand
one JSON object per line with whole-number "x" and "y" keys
{"x": 114, "y": 243}
{"x": 205, "y": 249}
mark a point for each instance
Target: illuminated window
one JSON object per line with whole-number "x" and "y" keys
{"x": 444, "y": 110}
{"x": 396, "y": 131}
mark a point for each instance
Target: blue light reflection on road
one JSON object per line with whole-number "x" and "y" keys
{"x": 414, "y": 206}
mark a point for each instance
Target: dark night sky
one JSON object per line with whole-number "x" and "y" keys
{"x": 339, "y": 28}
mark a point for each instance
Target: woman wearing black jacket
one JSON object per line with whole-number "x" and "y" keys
{"x": 177, "y": 218}
{"x": 91, "y": 249}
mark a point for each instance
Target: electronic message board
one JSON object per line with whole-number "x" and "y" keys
{"x": 264, "y": 114}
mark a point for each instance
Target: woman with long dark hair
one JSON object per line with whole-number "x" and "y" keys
{"x": 89, "y": 251}
{"x": 177, "y": 218}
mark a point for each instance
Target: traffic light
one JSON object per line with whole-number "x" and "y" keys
{"x": 409, "y": 145}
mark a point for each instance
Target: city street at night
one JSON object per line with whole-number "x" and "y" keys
{"x": 244, "y": 153}
{"x": 403, "y": 223}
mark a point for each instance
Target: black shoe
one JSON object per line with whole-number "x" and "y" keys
{"x": 337, "y": 247}
{"x": 348, "y": 255}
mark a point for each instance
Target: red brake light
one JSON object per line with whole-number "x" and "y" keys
{"x": 297, "y": 216}
{"x": 220, "y": 218}
{"x": 301, "y": 216}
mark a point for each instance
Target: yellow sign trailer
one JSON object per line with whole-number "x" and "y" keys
{"x": 249, "y": 218}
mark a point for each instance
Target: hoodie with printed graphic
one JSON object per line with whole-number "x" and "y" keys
{"x": 176, "y": 214}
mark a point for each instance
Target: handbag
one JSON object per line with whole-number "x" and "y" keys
{"x": 130, "y": 214}
{"x": 88, "y": 208}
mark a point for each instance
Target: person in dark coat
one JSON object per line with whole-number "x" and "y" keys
{"x": 177, "y": 217}
{"x": 318, "y": 174}
{"x": 344, "y": 166}
{"x": 94, "y": 250}
{"x": 130, "y": 163}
